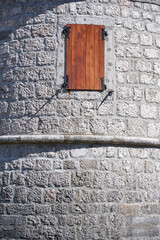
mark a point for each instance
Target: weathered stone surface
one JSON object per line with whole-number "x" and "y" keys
{"x": 52, "y": 184}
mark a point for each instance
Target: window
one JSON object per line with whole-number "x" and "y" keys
{"x": 84, "y": 57}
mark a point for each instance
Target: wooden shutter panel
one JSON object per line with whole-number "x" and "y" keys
{"x": 85, "y": 57}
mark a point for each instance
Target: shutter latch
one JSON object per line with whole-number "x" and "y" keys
{"x": 66, "y": 31}
{"x": 104, "y": 34}
{"x": 102, "y": 83}
{"x": 66, "y": 82}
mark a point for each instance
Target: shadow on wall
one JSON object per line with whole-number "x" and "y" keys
{"x": 17, "y": 14}
{"x": 27, "y": 48}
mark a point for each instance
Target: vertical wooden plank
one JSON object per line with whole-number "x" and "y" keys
{"x": 92, "y": 58}
{"x": 87, "y": 80}
{"x": 79, "y": 59}
{"x": 97, "y": 57}
{"x": 90, "y": 54}
{"x": 69, "y": 54}
{"x": 83, "y": 79}
{"x": 102, "y": 55}
{"x": 74, "y": 57}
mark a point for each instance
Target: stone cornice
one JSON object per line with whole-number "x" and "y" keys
{"x": 156, "y": 2}
{"x": 81, "y": 139}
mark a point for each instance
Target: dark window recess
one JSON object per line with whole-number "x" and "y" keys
{"x": 84, "y": 57}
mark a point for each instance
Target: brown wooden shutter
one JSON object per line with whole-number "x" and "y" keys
{"x": 85, "y": 57}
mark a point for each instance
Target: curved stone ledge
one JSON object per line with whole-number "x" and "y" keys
{"x": 156, "y": 2}
{"x": 80, "y": 139}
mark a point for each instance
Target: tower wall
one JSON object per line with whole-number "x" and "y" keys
{"x": 79, "y": 164}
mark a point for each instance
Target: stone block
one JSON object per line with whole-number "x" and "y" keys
{"x": 114, "y": 181}
{"x": 148, "y": 111}
{"x": 20, "y": 209}
{"x": 120, "y": 51}
{"x": 39, "y": 179}
{"x": 63, "y": 108}
{"x": 39, "y": 19}
{"x": 121, "y": 36}
{"x": 6, "y": 194}
{"x": 131, "y": 210}
{"x": 151, "y": 53}
{"x": 78, "y": 209}
{"x": 122, "y": 66}
{"x": 26, "y": 90}
{"x": 112, "y": 11}
{"x": 35, "y": 195}
{"x": 116, "y": 127}
{"x": 43, "y": 164}
{"x": 158, "y": 42}
{"x": 49, "y": 195}
{"x": 15, "y": 46}
{"x": 156, "y": 68}
{"x": 46, "y": 73}
{"x": 17, "y": 178}
{"x": 74, "y": 125}
{"x": 136, "y": 127}
{"x": 24, "y": 125}
{"x": 152, "y": 27}
{"x": 128, "y": 23}
{"x": 140, "y": 25}
{"x": 49, "y": 44}
{"x": 28, "y": 164}
{"x": 134, "y": 52}
{"x": 45, "y": 58}
{"x": 3, "y": 109}
{"x": 40, "y": 108}
{"x": 79, "y": 179}
{"x": 27, "y": 59}
{"x": 124, "y": 92}
{"x": 133, "y": 197}
{"x": 127, "y": 109}
{"x": 143, "y": 66}
{"x": 154, "y": 129}
{"x": 20, "y": 195}
{"x": 114, "y": 196}
{"x": 138, "y": 93}
{"x": 147, "y": 79}
{"x": 98, "y": 180}
{"x": 47, "y": 30}
{"x": 7, "y": 75}
{"x": 48, "y": 125}
{"x": 23, "y": 32}
{"x": 97, "y": 126}
{"x": 134, "y": 38}
{"x": 98, "y": 196}
{"x": 78, "y": 152}
{"x": 106, "y": 109}
{"x": 4, "y": 126}
{"x": 59, "y": 179}
{"x": 17, "y": 109}
{"x": 45, "y": 90}
{"x": 33, "y": 45}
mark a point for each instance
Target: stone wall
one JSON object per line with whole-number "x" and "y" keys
{"x": 32, "y": 69}
{"x": 79, "y": 192}
{"x": 80, "y": 164}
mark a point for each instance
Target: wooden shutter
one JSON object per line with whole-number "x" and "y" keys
{"x": 85, "y": 57}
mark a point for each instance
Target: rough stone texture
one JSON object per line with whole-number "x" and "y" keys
{"x": 32, "y": 67}
{"x": 87, "y": 191}
{"x": 96, "y": 189}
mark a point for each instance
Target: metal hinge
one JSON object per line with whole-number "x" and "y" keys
{"x": 104, "y": 34}
{"x": 102, "y": 84}
{"x": 66, "y": 82}
{"x": 66, "y": 31}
